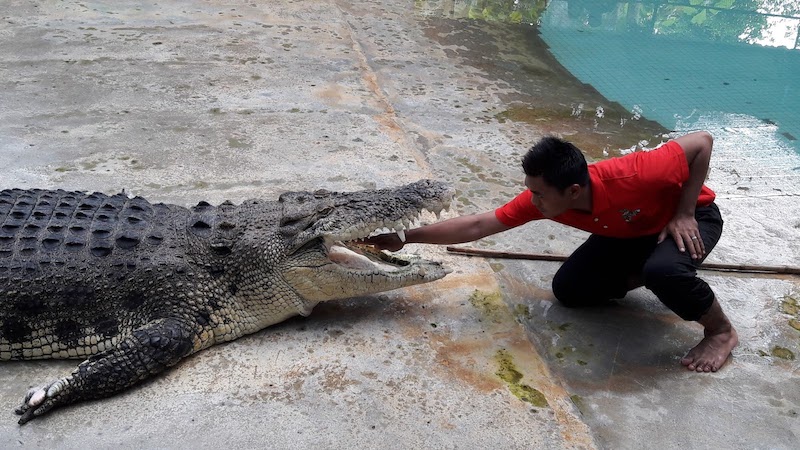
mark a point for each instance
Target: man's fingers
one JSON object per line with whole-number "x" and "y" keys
{"x": 696, "y": 244}
{"x": 681, "y": 241}
{"x": 686, "y": 237}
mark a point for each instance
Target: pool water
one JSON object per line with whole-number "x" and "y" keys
{"x": 713, "y": 78}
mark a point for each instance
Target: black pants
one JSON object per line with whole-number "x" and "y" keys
{"x": 604, "y": 268}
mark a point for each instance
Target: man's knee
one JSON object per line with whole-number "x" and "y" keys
{"x": 564, "y": 290}
{"x": 678, "y": 288}
{"x": 564, "y": 293}
{"x": 573, "y": 293}
{"x": 657, "y": 273}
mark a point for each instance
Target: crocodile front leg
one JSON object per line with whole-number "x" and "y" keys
{"x": 147, "y": 351}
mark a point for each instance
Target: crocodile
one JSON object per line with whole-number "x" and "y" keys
{"x": 133, "y": 287}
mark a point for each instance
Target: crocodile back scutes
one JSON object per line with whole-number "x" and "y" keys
{"x": 37, "y": 226}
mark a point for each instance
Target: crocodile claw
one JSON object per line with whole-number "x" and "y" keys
{"x": 38, "y": 400}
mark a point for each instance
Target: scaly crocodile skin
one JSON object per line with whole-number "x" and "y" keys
{"x": 132, "y": 287}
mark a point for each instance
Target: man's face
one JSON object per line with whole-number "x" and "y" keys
{"x": 550, "y": 201}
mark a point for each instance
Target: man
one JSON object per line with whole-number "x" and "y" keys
{"x": 652, "y": 221}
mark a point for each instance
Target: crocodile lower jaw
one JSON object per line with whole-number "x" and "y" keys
{"x": 364, "y": 257}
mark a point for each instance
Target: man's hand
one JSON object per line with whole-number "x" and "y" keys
{"x": 388, "y": 241}
{"x": 684, "y": 230}
{"x": 451, "y": 231}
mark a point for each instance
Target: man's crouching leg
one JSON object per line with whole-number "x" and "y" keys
{"x": 598, "y": 271}
{"x": 720, "y": 339}
{"x": 691, "y": 298}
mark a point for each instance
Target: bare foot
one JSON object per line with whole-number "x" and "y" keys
{"x": 712, "y": 352}
{"x": 720, "y": 338}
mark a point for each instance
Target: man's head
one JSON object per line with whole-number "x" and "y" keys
{"x": 557, "y": 175}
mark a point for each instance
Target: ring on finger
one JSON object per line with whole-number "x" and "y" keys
{"x": 694, "y": 238}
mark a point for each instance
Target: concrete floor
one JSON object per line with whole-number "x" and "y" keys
{"x": 208, "y": 100}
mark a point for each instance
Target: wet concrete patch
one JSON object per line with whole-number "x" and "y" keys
{"x": 621, "y": 363}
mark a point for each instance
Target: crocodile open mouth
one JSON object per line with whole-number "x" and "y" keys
{"x": 353, "y": 255}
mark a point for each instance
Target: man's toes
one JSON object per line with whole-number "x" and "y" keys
{"x": 700, "y": 365}
{"x": 705, "y": 366}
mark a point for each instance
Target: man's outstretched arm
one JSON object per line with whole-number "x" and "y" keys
{"x": 451, "y": 231}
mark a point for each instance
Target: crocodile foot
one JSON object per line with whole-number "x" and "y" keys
{"x": 39, "y": 400}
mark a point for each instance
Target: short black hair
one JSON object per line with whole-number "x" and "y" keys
{"x": 559, "y": 163}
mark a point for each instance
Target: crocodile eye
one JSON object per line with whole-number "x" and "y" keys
{"x": 326, "y": 212}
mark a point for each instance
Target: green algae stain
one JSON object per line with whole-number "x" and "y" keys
{"x": 474, "y": 168}
{"x": 496, "y": 267}
{"x": 532, "y": 115}
{"x": 511, "y": 376}
{"x": 782, "y": 353}
{"x": 522, "y": 312}
{"x": 465, "y": 201}
{"x": 90, "y": 165}
{"x": 236, "y": 143}
{"x": 477, "y": 171}
{"x": 790, "y": 306}
{"x": 490, "y": 304}
{"x": 577, "y": 400}
{"x": 570, "y": 355}
{"x": 564, "y": 352}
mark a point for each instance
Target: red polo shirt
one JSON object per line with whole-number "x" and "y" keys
{"x": 632, "y": 195}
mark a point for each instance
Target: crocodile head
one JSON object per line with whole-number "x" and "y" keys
{"x": 321, "y": 230}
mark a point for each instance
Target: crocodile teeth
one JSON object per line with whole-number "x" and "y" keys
{"x": 402, "y": 235}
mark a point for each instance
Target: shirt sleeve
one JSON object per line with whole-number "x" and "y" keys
{"x": 518, "y": 211}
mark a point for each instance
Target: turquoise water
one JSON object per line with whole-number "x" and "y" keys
{"x": 685, "y": 66}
